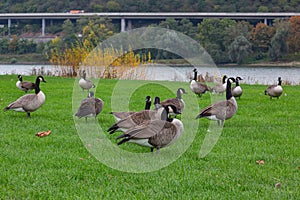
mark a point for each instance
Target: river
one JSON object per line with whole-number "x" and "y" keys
{"x": 251, "y": 75}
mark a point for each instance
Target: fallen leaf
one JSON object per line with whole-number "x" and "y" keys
{"x": 260, "y": 162}
{"x": 277, "y": 185}
{"x": 43, "y": 134}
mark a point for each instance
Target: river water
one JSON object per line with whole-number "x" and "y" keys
{"x": 251, "y": 75}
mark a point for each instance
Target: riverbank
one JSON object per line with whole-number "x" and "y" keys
{"x": 264, "y": 64}
{"x": 24, "y": 59}
{"x": 39, "y": 59}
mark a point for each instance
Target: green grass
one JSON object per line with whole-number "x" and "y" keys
{"x": 60, "y": 166}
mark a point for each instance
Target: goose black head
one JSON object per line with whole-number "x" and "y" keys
{"x": 157, "y": 102}
{"x": 148, "y": 98}
{"x": 224, "y": 79}
{"x": 279, "y": 80}
{"x": 148, "y": 103}
{"x": 41, "y": 79}
{"x": 182, "y": 91}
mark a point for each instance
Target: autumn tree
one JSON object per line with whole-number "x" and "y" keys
{"x": 261, "y": 37}
{"x": 294, "y": 34}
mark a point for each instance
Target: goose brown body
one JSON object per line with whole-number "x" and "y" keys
{"x": 221, "y": 110}
{"x": 84, "y": 83}
{"x": 197, "y": 87}
{"x": 275, "y": 90}
{"x": 90, "y": 107}
{"x": 154, "y": 134}
{"x": 30, "y": 102}
{"x": 24, "y": 85}
{"x": 177, "y": 102}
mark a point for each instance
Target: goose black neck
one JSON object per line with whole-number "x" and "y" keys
{"x": 228, "y": 90}
{"x": 224, "y": 79}
{"x": 237, "y": 83}
{"x": 37, "y": 85}
{"x": 279, "y": 81}
{"x": 20, "y": 78}
{"x": 178, "y": 96}
{"x": 148, "y": 105}
{"x": 195, "y": 75}
{"x": 84, "y": 75}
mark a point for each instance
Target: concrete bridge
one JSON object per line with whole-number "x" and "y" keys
{"x": 126, "y": 18}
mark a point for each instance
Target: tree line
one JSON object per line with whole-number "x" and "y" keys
{"x": 33, "y": 6}
{"x": 225, "y": 40}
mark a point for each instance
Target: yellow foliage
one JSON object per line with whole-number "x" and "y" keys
{"x": 107, "y": 63}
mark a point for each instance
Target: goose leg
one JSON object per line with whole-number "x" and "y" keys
{"x": 28, "y": 114}
{"x": 157, "y": 150}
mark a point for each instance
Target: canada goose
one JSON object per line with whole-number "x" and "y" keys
{"x": 140, "y": 117}
{"x": 221, "y": 87}
{"x": 90, "y": 107}
{"x": 122, "y": 115}
{"x": 24, "y": 85}
{"x": 237, "y": 91}
{"x": 198, "y": 88}
{"x": 274, "y": 90}
{"x": 177, "y": 102}
{"x": 154, "y": 134}
{"x": 29, "y": 102}
{"x": 221, "y": 110}
{"x": 84, "y": 83}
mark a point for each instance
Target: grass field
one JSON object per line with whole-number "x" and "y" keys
{"x": 60, "y": 166}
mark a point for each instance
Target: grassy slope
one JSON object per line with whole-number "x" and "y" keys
{"x": 59, "y": 166}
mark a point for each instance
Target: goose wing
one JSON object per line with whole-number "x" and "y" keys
{"x": 23, "y": 101}
{"x": 122, "y": 115}
{"x": 27, "y": 85}
{"x": 87, "y": 107}
{"x": 216, "y": 109}
{"x": 160, "y": 133}
{"x": 98, "y": 105}
{"x": 269, "y": 88}
{"x": 136, "y": 118}
{"x": 172, "y": 102}
{"x": 200, "y": 88}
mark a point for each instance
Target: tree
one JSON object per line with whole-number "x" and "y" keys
{"x": 278, "y": 46}
{"x": 294, "y": 34}
{"x": 241, "y": 28}
{"x": 212, "y": 34}
{"x": 261, "y": 37}
{"x": 240, "y": 49}
{"x": 69, "y": 35}
{"x": 113, "y": 6}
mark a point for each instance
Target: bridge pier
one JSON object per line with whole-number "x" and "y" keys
{"x": 43, "y": 26}
{"x": 266, "y": 21}
{"x": 123, "y": 25}
{"x": 8, "y": 26}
